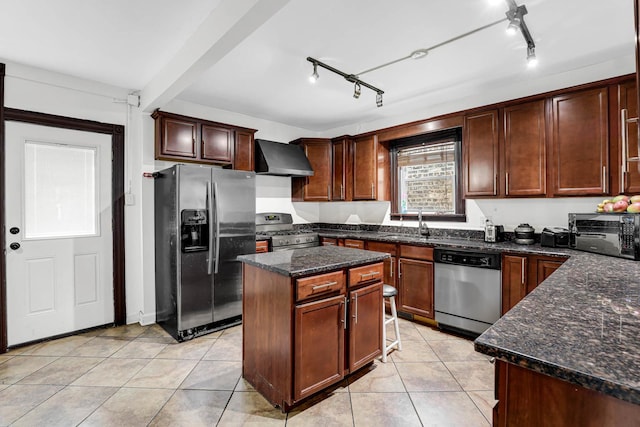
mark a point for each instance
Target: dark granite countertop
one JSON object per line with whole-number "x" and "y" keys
{"x": 417, "y": 240}
{"x": 581, "y": 325}
{"x": 306, "y": 261}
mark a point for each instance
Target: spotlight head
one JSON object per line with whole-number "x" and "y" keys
{"x": 532, "y": 61}
{"x": 379, "y": 99}
{"x": 315, "y": 76}
{"x": 356, "y": 90}
{"x": 513, "y": 27}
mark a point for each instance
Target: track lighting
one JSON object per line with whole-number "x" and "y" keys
{"x": 532, "y": 61}
{"x": 356, "y": 90}
{"x": 315, "y": 76}
{"x": 515, "y": 15}
{"x": 353, "y": 78}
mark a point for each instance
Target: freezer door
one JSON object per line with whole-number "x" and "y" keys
{"x": 195, "y": 295}
{"x": 234, "y": 233}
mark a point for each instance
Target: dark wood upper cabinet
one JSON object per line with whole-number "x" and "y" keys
{"x": 342, "y": 170}
{"x": 480, "y": 154}
{"x": 244, "y": 151}
{"x": 189, "y": 139}
{"x": 217, "y": 144}
{"x": 364, "y": 168}
{"x": 316, "y": 188}
{"x": 627, "y": 120}
{"x": 524, "y": 150}
{"x": 579, "y": 143}
{"x": 178, "y": 138}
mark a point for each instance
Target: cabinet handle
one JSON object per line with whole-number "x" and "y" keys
{"x": 344, "y": 313}
{"x": 373, "y": 191}
{"x": 341, "y": 192}
{"x": 624, "y": 148}
{"x": 328, "y": 192}
{"x": 391, "y": 265}
{"x": 370, "y": 274}
{"x": 522, "y": 270}
{"x": 355, "y": 311}
{"x": 495, "y": 185}
{"x": 352, "y": 245}
{"x": 506, "y": 183}
{"x": 324, "y": 285}
{"x": 604, "y": 179}
{"x": 399, "y": 269}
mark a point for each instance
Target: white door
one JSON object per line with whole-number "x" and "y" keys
{"x": 58, "y": 210}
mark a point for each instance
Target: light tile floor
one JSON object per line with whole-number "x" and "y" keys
{"x": 138, "y": 376}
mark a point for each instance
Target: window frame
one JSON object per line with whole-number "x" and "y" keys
{"x": 430, "y": 138}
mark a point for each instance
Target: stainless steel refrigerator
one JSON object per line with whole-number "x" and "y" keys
{"x": 204, "y": 219}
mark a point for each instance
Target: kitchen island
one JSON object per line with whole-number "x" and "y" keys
{"x": 310, "y": 317}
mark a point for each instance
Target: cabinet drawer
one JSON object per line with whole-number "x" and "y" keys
{"x": 262, "y": 246}
{"x": 319, "y": 285}
{"x": 389, "y": 248}
{"x": 417, "y": 252}
{"x": 365, "y": 274}
{"x": 351, "y": 243}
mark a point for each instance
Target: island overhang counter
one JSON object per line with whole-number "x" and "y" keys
{"x": 310, "y": 317}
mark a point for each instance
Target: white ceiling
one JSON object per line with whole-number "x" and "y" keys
{"x": 256, "y": 65}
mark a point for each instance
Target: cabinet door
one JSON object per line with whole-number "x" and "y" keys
{"x": 365, "y": 326}
{"x": 178, "y": 138}
{"x": 580, "y": 143}
{"x": 340, "y": 169}
{"x": 217, "y": 144}
{"x": 524, "y": 150}
{"x": 628, "y": 152}
{"x": 514, "y": 280}
{"x": 318, "y": 187}
{"x": 319, "y": 345}
{"x": 365, "y": 168}
{"x": 544, "y": 267}
{"x": 416, "y": 286}
{"x": 480, "y": 154}
{"x": 244, "y": 151}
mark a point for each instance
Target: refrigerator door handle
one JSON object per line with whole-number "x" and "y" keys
{"x": 210, "y": 211}
{"x": 217, "y": 210}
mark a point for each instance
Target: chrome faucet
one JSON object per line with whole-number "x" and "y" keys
{"x": 423, "y": 228}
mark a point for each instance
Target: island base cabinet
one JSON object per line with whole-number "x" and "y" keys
{"x": 365, "y": 329}
{"x": 319, "y": 344}
{"x": 527, "y": 398}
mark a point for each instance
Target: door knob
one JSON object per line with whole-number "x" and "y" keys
{"x": 14, "y": 246}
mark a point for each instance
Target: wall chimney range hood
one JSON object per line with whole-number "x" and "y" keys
{"x": 275, "y": 158}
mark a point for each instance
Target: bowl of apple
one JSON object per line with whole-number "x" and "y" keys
{"x": 619, "y": 204}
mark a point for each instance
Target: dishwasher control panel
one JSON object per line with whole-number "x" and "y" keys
{"x": 468, "y": 258}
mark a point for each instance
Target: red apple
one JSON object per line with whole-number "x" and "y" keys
{"x": 621, "y": 197}
{"x": 634, "y": 207}
{"x": 608, "y": 207}
{"x": 620, "y": 205}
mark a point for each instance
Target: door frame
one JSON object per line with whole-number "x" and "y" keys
{"x": 117, "y": 202}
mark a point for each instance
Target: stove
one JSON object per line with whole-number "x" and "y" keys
{"x": 278, "y": 227}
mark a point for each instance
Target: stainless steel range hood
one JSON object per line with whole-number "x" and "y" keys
{"x": 275, "y": 158}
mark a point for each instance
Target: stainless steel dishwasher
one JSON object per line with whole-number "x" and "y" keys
{"x": 467, "y": 289}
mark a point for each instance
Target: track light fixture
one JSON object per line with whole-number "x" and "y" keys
{"x": 348, "y": 77}
{"x": 515, "y": 16}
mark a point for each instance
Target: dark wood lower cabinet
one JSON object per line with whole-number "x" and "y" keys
{"x": 319, "y": 345}
{"x": 530, "y": 399}
{"x": 365, "y": 327}
{"x": 521, "y": 274}
{"x": 416, "y": 285}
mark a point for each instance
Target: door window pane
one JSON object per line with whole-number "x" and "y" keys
{"x": 60, "y": 191}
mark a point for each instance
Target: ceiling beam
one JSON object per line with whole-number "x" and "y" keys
{"x": 225, "y": 28}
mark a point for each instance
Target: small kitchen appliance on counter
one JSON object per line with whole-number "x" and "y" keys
{"x": 615, "y": 234}
{"x": 524, "y": 234}
{"x": 493, "y": 233}
{"x": 555, "y": 237}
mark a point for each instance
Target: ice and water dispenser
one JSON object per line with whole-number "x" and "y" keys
{"x": 194, "y": 230}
